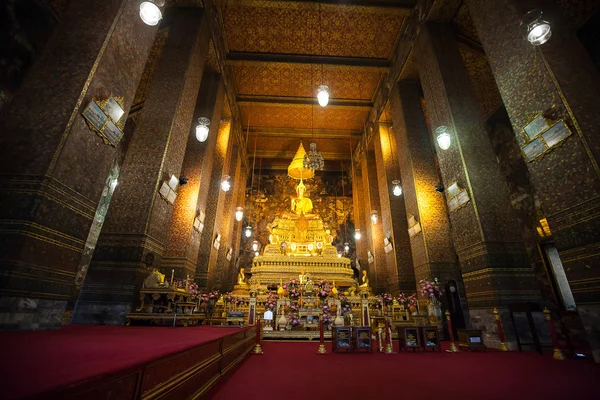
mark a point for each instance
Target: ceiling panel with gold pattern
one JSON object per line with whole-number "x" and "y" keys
{"x": 303, "y": 116}
{"x": 302, "y": 80}
{"x": 311, "y": 28}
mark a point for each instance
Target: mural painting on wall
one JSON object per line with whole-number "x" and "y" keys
{"x": 271, "y": 196}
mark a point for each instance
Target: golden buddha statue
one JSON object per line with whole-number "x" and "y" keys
{"x": 155, "y": 280}
{"x": 303, "y": 277}
{"x": 301, "y": 204}
{"x": 241, "y": 278}
{"x": 364, "y": 279}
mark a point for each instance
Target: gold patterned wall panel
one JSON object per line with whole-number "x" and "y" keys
{"x": 310, "y": 28}
{"x": 212, "y": 64}
{"x": 302, "y": 80}
{"x": 155, "y": 52}
{"x": 482, "y": 81}
{"x": 301, "y": 116}
{"x": 464, "y": 24}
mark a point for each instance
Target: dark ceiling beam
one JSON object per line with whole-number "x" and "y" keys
{"x": 403, "y": 4}
{"x": 289, "y": 155}
{"x": 301, "y": 100}
{"x": 234, "y": 56}
{"x": 264, "y": 132}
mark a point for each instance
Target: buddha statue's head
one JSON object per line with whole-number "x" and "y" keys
{"x": 241, "y": 270}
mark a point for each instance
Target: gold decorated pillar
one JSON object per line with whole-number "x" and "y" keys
{"x": 213, "y": 205}
{"x": 225, "y": 263}
{"x": 494, "y": 264}
{"x": 551, "y": 95}
{"x": 385, "y": 279}
{"x": 185, "y": 231}
{"x": 392, "y": 214}
{"x": 236, "y": 238}
{"x": 433, "y": 251}
{"x": 54, "y": 168}
{"x": 135, "y": 232}
{"x": 358, "y": 195}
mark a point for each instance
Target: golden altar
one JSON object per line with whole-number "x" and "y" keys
{"x": 299, "y": 243}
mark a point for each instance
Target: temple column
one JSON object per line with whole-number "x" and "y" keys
{"x": 392, "y": 214}
{"x": 385, "y": 279}
{"x": 495, "y": 266}
{"x": 359, "y": 215}
{"x": 136, "y": 231}
{"x": 433, "y": 252}
{"x": 181, "y": 254}
{"x": 544, "y": 80}
{"x": 52, "y": 166}
{"x": 223, "y": 266}
{"x": 236, "y": 239}
{"x": 212, "y": 206}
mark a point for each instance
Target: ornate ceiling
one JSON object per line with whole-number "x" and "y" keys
{"x": 279, "y": 52}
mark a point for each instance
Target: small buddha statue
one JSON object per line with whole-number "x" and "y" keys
{"x": 155, "y": 280}
{"x": 301, "y": 204}
{"x": 364, "y": 279}
{"x": 242, "y": 278}
{"x": 303, "y": 277}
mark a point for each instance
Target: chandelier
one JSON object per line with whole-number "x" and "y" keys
{"x": 313, "y": 160}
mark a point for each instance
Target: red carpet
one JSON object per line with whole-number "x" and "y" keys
{"x": 294, "y": 371}
{"x": 35, "y": 362}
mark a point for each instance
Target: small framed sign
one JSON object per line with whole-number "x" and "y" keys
{"x": 556, "y": 134}
{"x": 114, "y": 109}
{"x": 94, "y": 116}
{"x": 431, "y": 338}
{"x": 534, "y": 149}
{"x": 112, "y": 133}
{"x": 536, "y": 126}
{"x": 412, "y": 339}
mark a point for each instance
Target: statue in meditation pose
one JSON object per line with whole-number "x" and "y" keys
{"x": 241, "y": 278}
{"x": 364, "y": 279}
{"x": 155, "y": 280}
{"x": 301, "y": 204}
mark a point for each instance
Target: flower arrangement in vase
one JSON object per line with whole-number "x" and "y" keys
{"x": 432, "y": 291}
{"x": 413, "y": 303}
{"x": 208, "y": 300}
{"x": 294, "y": 319}
{"x": 323, "y": 290}
{"x": 387, "y": 299}
{"x": 271, "y": 301}
{"x": 239, "y": 302}
{"x": 346, "y": 306}
{"x": 292, "y": 287}
{"x": 326, "y": 315}
{"x": 378, "y": 304}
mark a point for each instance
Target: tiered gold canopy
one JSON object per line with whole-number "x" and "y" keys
{"x": 296, "y": 168}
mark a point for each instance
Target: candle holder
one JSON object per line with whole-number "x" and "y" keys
{"x": 321, "y": 349}
{"x": 452, "y": 348}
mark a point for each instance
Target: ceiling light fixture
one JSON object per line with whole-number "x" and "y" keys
{"x": 225, "y": 184}
{"x": 374, "y": 217}
{"x": 150, "y": 12}
{"x": 357, "y": 234}
{"x": 538, "y": 30}
{"x": 248, "y": 231}
{"x": 323, "y": 95}
{"x": 239, "y": 213}
{"x": 444, "y": 140}
{"x": 397, "y": 190}
{"x": 202, "y": 129}
{"x": 346, "y": 247}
